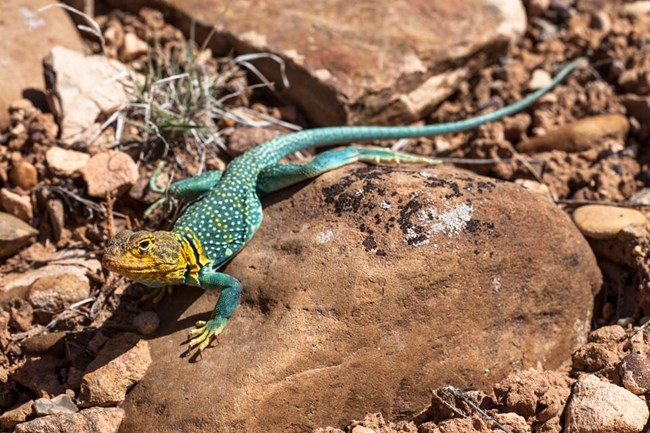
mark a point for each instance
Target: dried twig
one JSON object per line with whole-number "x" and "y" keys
{"x": 461, "y": 395}
{"x": 70, "y": 311}
{"x": 580, "y": 202}
{"x": 67, "y": 195}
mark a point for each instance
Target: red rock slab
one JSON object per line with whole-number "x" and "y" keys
{"x": 365, "y": 61}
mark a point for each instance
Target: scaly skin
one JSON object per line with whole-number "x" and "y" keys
{"x": 226, "y": 209}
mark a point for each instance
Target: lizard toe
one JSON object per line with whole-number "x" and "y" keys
{"x": 206, "y": 332}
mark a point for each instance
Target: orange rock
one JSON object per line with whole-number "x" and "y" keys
{"x": 580, "y": 135}
{"x": 122, "y": 362}
{"x": 17, "y": 205}
{"x": 24, "y": 175}
{"x": 110, "y": 172}
{"x": 65, "y": 162}
{"x": 605, "y": 222}
{"x": 368, "y": 287}
{"x": 599, "y": 406}
{"x": 96, "y": 419}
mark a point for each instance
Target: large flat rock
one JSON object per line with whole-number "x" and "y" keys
{"x": 366, "y": 288}
{"x": 366, "y": 61}
{"x": 26, "y": 38}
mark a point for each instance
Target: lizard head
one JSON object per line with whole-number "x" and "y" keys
{"x": 152, "y": 258}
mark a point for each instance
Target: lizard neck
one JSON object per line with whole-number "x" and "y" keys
{"x": 193, "y": 256}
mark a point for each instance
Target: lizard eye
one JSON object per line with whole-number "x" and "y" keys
{"x": 144, "y": 245}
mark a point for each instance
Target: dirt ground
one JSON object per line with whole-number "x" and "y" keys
{"x": 596, "y": 161}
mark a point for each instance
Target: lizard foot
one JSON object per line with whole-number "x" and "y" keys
{"x": 156, "y": 295}
{"x": 205, "y": 332}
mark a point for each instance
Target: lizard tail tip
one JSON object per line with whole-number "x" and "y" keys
{"x": 581, "y": 62}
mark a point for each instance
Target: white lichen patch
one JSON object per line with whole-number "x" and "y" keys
{"x": 324, "y": 237}
{"x": 426, "y": 174}
{"x": 384, "y": 205}
{"x": 430, "y": 222}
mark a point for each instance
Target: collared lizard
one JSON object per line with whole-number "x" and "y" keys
{"x": 225, "y": 210}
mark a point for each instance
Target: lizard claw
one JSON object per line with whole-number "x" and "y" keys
{"x": 156, "y": 295}
{"x": 199, "y": 329}
{"x": 205, "y": 332}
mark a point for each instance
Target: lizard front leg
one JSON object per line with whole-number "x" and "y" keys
{"x": 230, "y": 289}
{"x": 188, "y": 189}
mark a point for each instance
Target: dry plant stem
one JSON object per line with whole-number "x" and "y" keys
{"x": 641, "y": 328}
{"x": 459, "y": 394}
{"x": 36, "y": 330}
{"x": 71, "y": 311}
{"x": 67, "y": 195}
{"x": 580, "y": 202}
{"x": 531, "y": 170}
{"x": 108, "y": 207}
{"x": 478, "y": 161}
{"x": 94, "y": 28}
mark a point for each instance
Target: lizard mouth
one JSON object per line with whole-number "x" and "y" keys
{"x": 120, "y": 263}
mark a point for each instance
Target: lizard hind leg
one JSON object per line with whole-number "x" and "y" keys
{"x": 193, "y": 187}
{"x": 282, "y": 175}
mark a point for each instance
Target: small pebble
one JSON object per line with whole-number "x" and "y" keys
{"x": 607, "y": 334}
{"x": 642, "y": 197}
{"x": 54, "y": 293}
{"x": 625, "y": 321}
{"x": 537, "y": 7}
{"x": 584, "y": 134}
{"x": 599, "y": 406}
{"x": 93, "y": 420}
{"x": 540, "y": 78}
{"x": 110, "y": 172}
{"x": 65, "y": 162}
{"x": 605, "y": 222}
{"x": 635, "y": 373}
{"x": 146, "y": 323}
{"x": 24, "y": 175}
{"x": 636, "y": 8}
{"x": 60, "y": 404}
{"x": 52, "y": 343}
{"x": 56, "y": 211}
{"x": 17, "y": 205}
{"x": 601, "y": 21}
{"x": 637, "y": 106}
{"x": 362, "y": 429}
{"x": 14, "y": 234}
{"x": 536, "y": 187}
{"x": 133, "y": 47}
{"x": 16, "y": 415}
